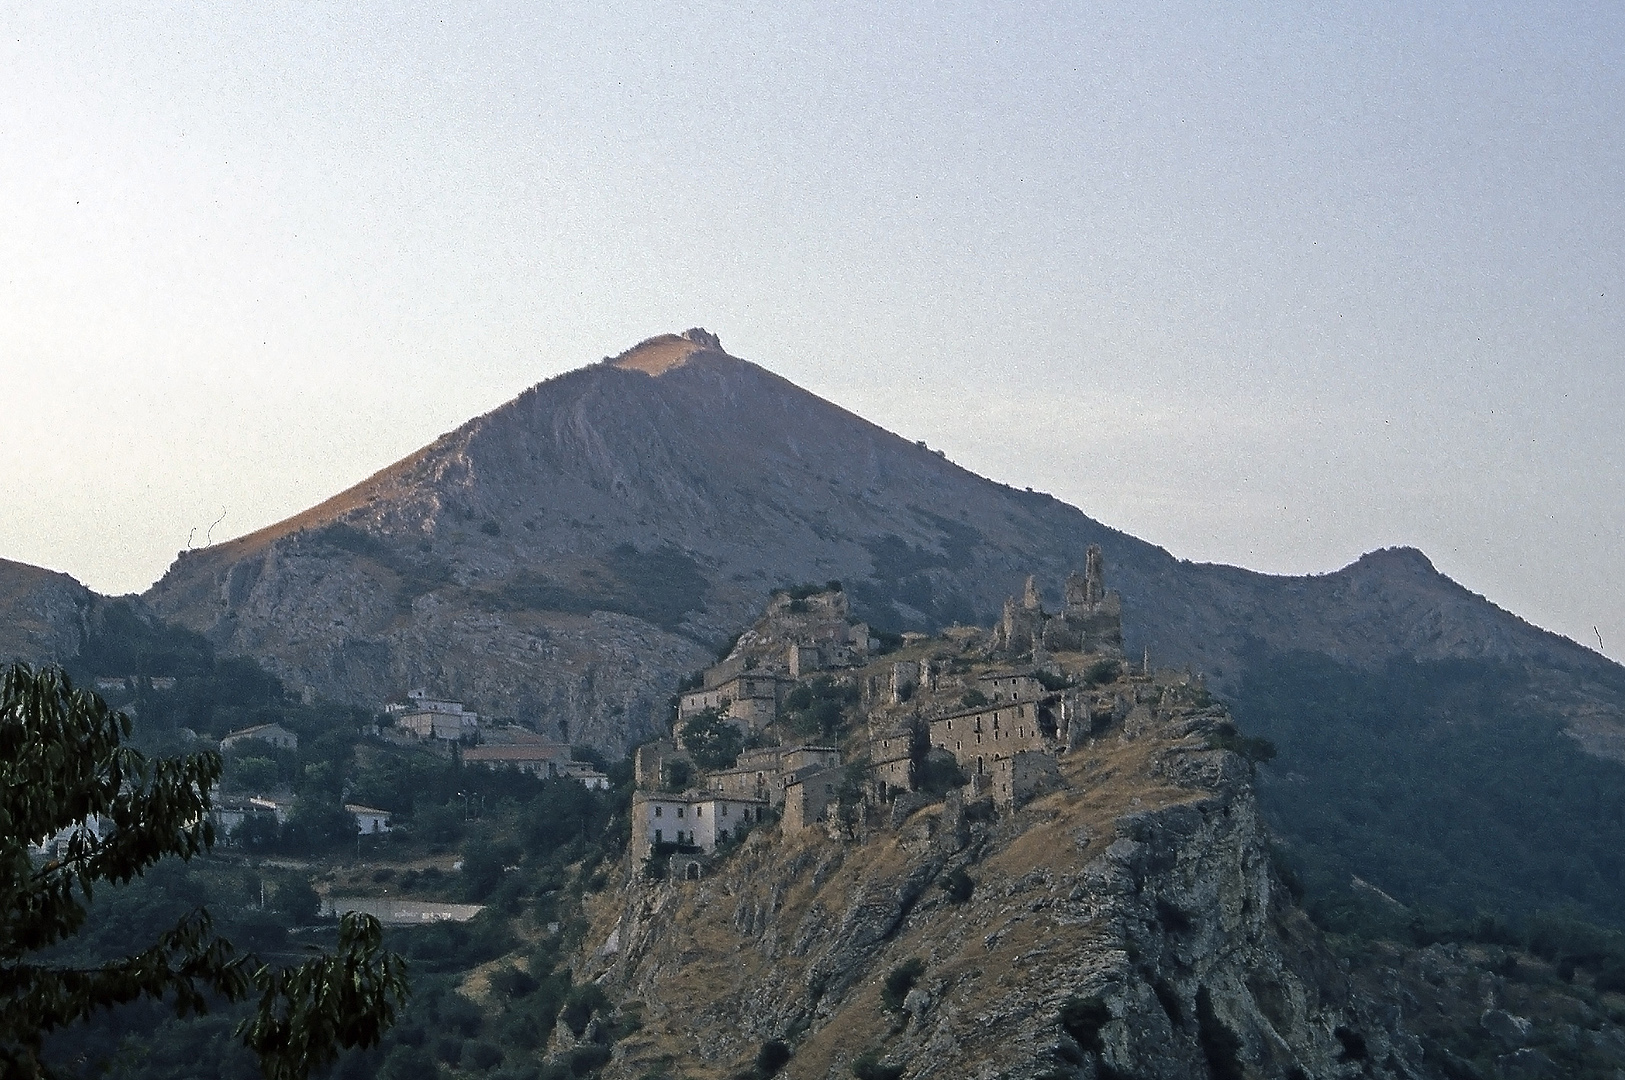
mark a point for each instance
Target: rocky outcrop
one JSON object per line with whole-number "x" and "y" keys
{"x": 43, "y": 614}
{"x": 1130, "y": 925}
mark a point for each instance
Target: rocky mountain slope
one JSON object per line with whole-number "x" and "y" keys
{"x": 1129, "y": 924}
{"x": 43, "y": 615}
{"x": 565, "y": 558}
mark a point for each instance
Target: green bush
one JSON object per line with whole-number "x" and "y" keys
{"x": 1102, "y": 672}
{"x": 481, "y": 1056}
{"x": 958, "y": 885}
{"x": 899, "y": 982}
{"x": 711, "y": 741}
{"x": 868, "y": 1066}
{"x": 581, "y": 1005}
{"x": 1082, "y": 1018}
{"x": 772, "y": 1058}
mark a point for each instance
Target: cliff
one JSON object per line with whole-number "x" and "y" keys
{"x": 1129, "y": 924}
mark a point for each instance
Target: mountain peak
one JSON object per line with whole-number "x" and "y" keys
{"x": 1397, "y": 560}
{"x": 657, "y": 355}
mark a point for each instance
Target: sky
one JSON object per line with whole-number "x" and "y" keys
{"x": 1270, "y": 284}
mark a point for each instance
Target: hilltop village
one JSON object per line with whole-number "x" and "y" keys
{"x": 814, "y": 721}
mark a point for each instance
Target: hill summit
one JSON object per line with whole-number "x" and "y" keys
{"x": 566, "y": 558}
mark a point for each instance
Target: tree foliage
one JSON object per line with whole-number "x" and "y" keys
{"x": 712, "y": 741}
{"x": 63, "y": 771}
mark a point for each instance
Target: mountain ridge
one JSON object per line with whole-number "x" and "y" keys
{"x": 567, "y": 556}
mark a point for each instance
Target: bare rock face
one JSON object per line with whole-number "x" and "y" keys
{"x": 565, "y": 558}
{"x": 43, "y": 614}
{"x": 1130, "y": 925}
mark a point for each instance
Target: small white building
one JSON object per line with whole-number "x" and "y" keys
{"x": 369, "y": 820}
{"x": 695, "y": 819}
{"x": 583, "y": 773}
{"x": 276, "y": 806}
{"x": 271, "y": 734}
{"x": 228, "y": 814}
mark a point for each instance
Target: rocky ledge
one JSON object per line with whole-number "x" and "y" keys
{"x": 1129, "y": 924}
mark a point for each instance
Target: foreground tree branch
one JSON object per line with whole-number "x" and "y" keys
{"x": 63, "y": 764}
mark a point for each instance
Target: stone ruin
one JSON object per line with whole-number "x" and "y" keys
{"x": 1090, "y": 621}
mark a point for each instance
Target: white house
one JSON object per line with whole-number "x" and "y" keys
{"x": 694, "y": 819}
{"x": 275, "y": 806}
{"x": 370, "y": 821}
{"x": 96, "y": 825}
{"x": 585, "y": 774}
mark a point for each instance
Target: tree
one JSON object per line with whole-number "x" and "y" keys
{"x": 63, "y": 770}
{"x": 712, "y": 741}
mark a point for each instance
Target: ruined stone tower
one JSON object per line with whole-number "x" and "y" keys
{"x": 1091, "y": 621}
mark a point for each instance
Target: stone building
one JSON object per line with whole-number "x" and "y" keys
{"x": 891, "y": 760}
{"x": 434, "y": 718}
{"x": 978, "y": 737}
{"x": 750, "y": 698}
{"x": 694, "y": 820}
{"x": 1091, "y": 619}
{"x": 1015, "y": 779}
{"x": 807, "y": 795}
{"x": 537, "y": 758}
{"x": 798, "y": 634}
{"x": 763, "y": 773}
{"x": 1001, "y": 686}
{"x": 652, "y": 764}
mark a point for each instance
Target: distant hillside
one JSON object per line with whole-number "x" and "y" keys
{"x": 565, "y": 559}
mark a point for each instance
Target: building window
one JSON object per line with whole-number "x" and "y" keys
{"x": 679, "y": 811}
{"x": 659, "y": 810}
{"x": 660, "y": 837}
{"x": 699, "y": 811}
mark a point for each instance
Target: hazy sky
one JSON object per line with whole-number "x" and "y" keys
{"x": 1272, "y": 286}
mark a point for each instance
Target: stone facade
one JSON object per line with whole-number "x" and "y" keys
{"x": 981, "y": 736}
{"x": 763, "y": 773}
{"x": 695, "y": 819}
{"x": 807, "y": 796}
{"x": 1015, "y": 779}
